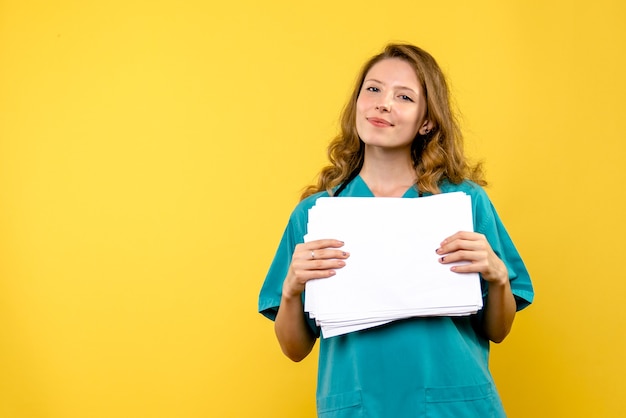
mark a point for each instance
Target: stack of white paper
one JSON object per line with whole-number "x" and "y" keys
{"x": 393, "y": 271}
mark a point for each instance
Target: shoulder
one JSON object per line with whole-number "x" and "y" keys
{"x": 466, "y": 186}
{"x": 309, "y": 202}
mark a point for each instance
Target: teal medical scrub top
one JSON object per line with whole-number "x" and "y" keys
{"x": 419, "y": 367}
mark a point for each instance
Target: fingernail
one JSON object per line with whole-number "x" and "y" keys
{"x": 442, "y": 259}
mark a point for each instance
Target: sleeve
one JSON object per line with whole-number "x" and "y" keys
{"x": 488, "y": 223}
{"x": 271, "y": 291}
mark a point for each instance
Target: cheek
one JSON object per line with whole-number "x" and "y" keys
{"x": 361, "y": 105}
{"x": 414, "y": 119}
{"x": 359, "y": 126}
{"x": 361, "y": 111}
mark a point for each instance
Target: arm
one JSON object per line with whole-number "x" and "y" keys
{"x": 500, "y": 306}
{"x": 499, "y": 311}
{"x": 294, "y": 335}
{"x": 313, "y": 260}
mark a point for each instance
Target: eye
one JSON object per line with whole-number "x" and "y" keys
{"x": 373, "y": 89}
{"x": 405, "y": 97}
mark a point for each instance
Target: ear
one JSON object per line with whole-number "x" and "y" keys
{"x": 426, "y": 127}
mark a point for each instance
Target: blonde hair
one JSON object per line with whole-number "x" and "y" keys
{"x": 436, "y": 156}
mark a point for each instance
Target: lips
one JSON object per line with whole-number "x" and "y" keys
{"x": 381, "y": 123}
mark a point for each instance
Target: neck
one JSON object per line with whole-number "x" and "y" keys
{"x": 388, "y": 174}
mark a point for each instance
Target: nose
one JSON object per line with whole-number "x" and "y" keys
{"x": 384, "y": 105}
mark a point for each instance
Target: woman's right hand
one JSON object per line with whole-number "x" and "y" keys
{"x": 313, "y": 260}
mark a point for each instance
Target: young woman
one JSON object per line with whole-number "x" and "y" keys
{"x": 399, "y": 138}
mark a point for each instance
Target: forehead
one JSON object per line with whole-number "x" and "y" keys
{"x": 393, "y": 70}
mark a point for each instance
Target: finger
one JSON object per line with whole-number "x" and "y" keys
{"x": 302, "y": 266}
{"x": 457, "y": 256}
{"x": 463, "y": 235}
{"x": 320, "y": 270}
{"x": 295, "y": 283}
{"x": 324, "y": 243}
{"x": 320, "y": 249}
{"x": 315, "y": 274}
{"x": 458, "y": 235}
{"x": 468, "y": 268}
{"x": 461, "y": 245}
{"x": 326, "y": 254}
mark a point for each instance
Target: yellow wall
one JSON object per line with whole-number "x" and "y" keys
{"x": 151, "y": 152}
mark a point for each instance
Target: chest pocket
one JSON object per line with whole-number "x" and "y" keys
{"x": 478, "y": 401}
{"x": 342, "y": 405}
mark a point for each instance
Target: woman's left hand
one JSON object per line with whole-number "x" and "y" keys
{"x": 474, "y": 249}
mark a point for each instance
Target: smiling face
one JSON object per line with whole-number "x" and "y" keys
{"x": 391, "y": 107}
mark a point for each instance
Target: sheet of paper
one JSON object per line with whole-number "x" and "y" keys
{"x": 393, "y": 271}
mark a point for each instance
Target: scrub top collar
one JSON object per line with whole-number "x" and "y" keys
{"x": 358, "y": 187}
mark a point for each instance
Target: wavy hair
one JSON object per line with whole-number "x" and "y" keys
{"x": 436, "y": 156}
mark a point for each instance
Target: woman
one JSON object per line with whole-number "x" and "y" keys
{"x": 399, "y": 138}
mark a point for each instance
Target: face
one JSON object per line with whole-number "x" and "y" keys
{"x": 391, "y": 108}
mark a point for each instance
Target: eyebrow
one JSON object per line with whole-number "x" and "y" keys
{"x": 398, "y": 87}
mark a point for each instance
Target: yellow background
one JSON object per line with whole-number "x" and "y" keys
{"x": 151, "y": 152}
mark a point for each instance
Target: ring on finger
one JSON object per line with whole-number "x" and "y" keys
{"x": 312, "y": 255}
